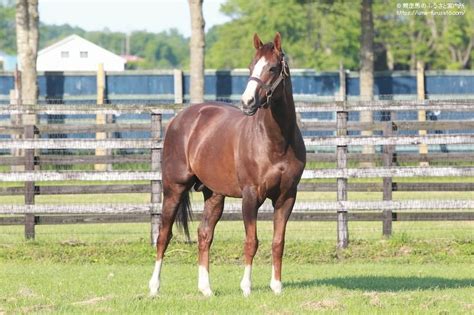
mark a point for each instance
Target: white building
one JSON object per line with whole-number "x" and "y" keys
{"x": 75, "y": 53}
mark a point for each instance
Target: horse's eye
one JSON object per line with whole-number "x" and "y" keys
{"x": 273, "y": 69}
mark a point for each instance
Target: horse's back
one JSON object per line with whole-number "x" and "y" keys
{"x": 194, "y": 114}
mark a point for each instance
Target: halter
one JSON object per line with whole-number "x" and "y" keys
{"x": 269, "y": 89}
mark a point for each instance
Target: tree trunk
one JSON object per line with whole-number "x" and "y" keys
{"x": 367, "y": 51}
{"x": 27, "y": 36}
{"x": 413, "y": 44}
{"x": 366, "y": 67}
{"x": 197, "y": 52}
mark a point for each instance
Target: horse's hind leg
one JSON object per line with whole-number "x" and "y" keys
{"x": 173, "y": 195}
{"x": 213, "y": 206}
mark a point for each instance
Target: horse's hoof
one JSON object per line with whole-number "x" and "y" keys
{"x": 276, "y": 287}
{"x": 246, "y": 292}
{"x": 207, "y": 292}
{"x": 154, "y": 288}
{"x": 246, "y": 288}
{"x": 153, "y": 293}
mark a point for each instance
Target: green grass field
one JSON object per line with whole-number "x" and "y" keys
{"x": 426, "y": 267}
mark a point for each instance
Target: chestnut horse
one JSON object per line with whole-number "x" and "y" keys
{"x": 253, "y": 154}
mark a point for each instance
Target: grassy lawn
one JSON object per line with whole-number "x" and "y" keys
{"x": 426, "y": 267}
{"x": 349, "y": 288}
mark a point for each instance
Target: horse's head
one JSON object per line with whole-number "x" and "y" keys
{"x": 268, "y": 70}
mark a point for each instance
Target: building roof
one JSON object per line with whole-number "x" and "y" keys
{"x": 75, "y": 53}
{"x": 77, "y": 38}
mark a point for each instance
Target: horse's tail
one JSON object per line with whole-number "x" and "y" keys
{"x": 184, "y": 215}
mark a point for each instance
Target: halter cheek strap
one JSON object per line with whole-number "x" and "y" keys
{"x": 269, "y": 89}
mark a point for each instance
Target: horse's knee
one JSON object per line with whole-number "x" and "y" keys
{"x": 278, "y": 243}
{"x": 251, "y": 246}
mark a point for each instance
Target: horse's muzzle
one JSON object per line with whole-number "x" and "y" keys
{"x": 251, "y": 107}
{"x": 249, "y": 110}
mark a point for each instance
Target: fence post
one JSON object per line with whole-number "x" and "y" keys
{"x": 155, "y": 184}
{"x": 388, "y": 152}
{"x": 341, "y": 156}
{"x": 101, "y": 119}
{"x": 178, "y": 86}
{"x": 29, "y": 121}
{"x": 420, "y": 88}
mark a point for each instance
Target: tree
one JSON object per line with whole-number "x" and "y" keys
{"x": 27, "y": 37}
{"x": 7, "y": 26}
{"x": 196, "y": 46}
{"x": 366, "y": 51}
{"x": 318, "y": 34}
{"x": 366, "y": 77}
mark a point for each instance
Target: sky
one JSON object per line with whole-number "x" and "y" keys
{"x": 128, "y": 15}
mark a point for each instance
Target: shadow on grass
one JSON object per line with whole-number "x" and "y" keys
{"x": 381, "y": 283}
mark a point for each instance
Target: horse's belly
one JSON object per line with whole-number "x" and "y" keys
{"x": 211, "y": 157}
{"x": 217, "y": 174}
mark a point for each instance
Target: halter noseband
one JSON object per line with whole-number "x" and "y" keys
{"x": 269, "y": 89}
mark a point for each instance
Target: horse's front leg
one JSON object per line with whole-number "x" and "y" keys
{"x": 213, "y": 206}
{"x": 283, "y": 207}
{"x": 250, "y": 205}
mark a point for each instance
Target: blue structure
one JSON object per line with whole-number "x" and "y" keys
{"x": 157, "y": 87}
{"x": 308, "y": 85}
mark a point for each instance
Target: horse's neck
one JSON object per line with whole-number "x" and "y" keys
{"x": 280, "y": 119}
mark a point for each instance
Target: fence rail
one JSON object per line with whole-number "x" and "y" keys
{"x": 149, "y": 181}
{"x": 400, "y": 205}
{"x": 333, "y": 106}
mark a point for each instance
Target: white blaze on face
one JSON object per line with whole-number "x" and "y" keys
{"x": 249, "y": 92}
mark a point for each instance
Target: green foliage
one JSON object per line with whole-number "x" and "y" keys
{"x": 7, "y": 29}
{"x": 168, "y": 49}
{"x": 310, "y": 36}
{"x": 320, "y": 34}
{"x": 165, "y": 50}
{"x": 49, "y": 34}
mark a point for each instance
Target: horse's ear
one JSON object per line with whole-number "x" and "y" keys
{"x": 257, "y": 43}
{"x": 277, "y": 42}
